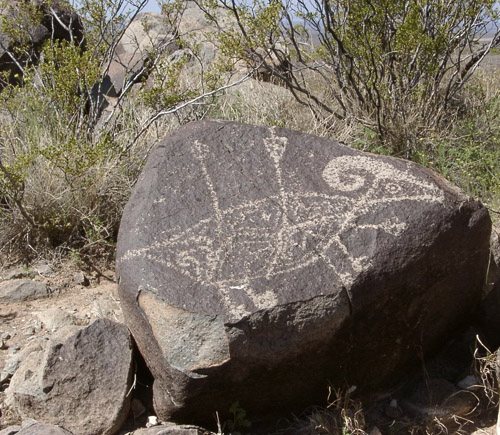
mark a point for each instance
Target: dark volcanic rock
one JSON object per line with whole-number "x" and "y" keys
{"x": 488, "y": 317}
{"x": 259, "y": 265}
{"x": 78, "y": 380}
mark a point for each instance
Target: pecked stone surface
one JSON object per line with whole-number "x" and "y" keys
{"x": 259, "y": 265}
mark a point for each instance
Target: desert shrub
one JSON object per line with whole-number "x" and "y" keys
{"x": 401, "y": 77}
{"x": 58, "y": 180}
{"x": 66, "y": 171}
{"x": 396, "y": 67}
{"x": 468, "y": 152}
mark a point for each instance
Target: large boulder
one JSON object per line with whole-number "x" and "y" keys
{"x": 148, "y": 35}
{"x": 79, "y": 379}
{"x": 260, "y": 265}
{"x": 41, "y": 20}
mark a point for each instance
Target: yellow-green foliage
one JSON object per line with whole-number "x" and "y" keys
{"x": 63, "y": 178}
{"x": 378, "y": 80}
{"x": 398, "y": 67}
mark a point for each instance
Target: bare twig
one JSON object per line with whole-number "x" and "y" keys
{"x": 181, "y": 106}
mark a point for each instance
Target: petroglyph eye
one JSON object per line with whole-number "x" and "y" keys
{"x": 347, "y": 173}
{"x": 391, "y": 188}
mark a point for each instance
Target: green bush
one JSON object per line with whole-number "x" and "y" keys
{"x": 65, "y": 174}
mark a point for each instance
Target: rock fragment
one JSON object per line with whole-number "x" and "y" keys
{"x": 20, "y": 290}
{"x": 77, "y": 380}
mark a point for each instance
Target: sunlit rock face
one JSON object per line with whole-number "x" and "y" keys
{"x": 262, "y": 265}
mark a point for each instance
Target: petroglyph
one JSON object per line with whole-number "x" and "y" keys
{"x": 288, "y": 231}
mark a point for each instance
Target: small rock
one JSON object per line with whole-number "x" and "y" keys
{"x": 19, "y": 290}
{"x": 43, "y": 269}
{"x": 438, "y": 398}
{"x": 428, "y": 397}
{"x": 13, "y": 363}
{"x": 6, "y": 336}
{"x": 18, "y": 274}
{"x": 11, "y": 430}
{"x": 152, "y": 421}
{"x": 78, "y": 379}
{"x": 56, "y": 318}
{"x": 43, "y": 429}
{"x": 461, "y": 403}
{"x": 3, "y": 346}
{"x": 81, "y": 279}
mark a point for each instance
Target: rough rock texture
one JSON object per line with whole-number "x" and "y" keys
{"x": 172, "y": 429}
{"x": 11, "y": 430}
{"x": 43, "y": 429}
{"x": 55, "y": 318}
{"x": 14, "y": 362}
{"x": 259, "y": 265}
{"x": 77, "y": 380}
{"x": 195, "y": 27}
{"x": 488, "y": 318}
{"x": 132, "y": 53}
{"x": 18, "y": 290}
{"x": 58, "y": 21}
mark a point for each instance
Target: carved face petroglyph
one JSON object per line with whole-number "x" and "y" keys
{"x": 288, "y": 231}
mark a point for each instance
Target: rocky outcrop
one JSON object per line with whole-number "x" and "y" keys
{"x": 260, "y": 265}
{"x": 183, "y": 34}
{"x": 79, "y": 379}
{"x": 42, "y": 20}
{"x": 200, "y": 28}
{"x": 32, "y": 427}
{"x": 147, "y": 36}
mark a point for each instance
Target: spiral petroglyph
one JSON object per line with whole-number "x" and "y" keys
{"x": 288, "y": 231}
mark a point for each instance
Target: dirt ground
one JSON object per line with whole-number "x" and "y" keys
{"x": 24, "y": 322}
